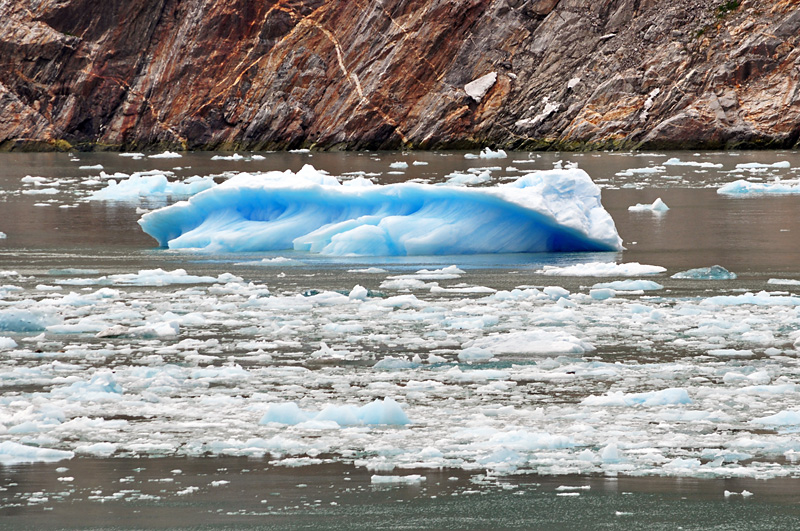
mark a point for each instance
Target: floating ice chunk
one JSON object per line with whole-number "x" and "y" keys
{"x": 759, "y": 165}
{"x": 159, "y": 277}
{"x": 92, "y": 167}
{"x": 682, "y": 465}
{"x": 784, "y": 418}
{"x": 475, "y": 354}
{"x": 762, "y": 298}
{"x": 602, "y": 294}
{"x": 6, "y": 343}
{"x": 3, "y": 235}
{"x": 234, "y": 157}
{"x": 532, "y": 342}
{"x": 101, "y": 449}
{"x": 602, "y": 269}
{"x": 469, "y": 178}
{"x": 671, "y": 396}
{"x": 358, "y": 293}
{"x": 14, "y": 320}
{"x": 13, "y": 453}
{"x": 629, "y": 285}
{"x": 478, "y": 88}
{"x": 397, "y": 480}
{"x": 445, "y": 273}
{"x": 731, "y": 353}
{"x": 657, "y": 206}
{"x": 399, "y": 165}
{"x": 742, "y": 187}
{"x": 369, "y": 270}
{"x": 378, "y": 412}
{"x": 715, "y": 272}
{"x": 641, "y": 171}
{"x": 391, "y": 363}
{"x": 784, "y": 282}
{"x": 138, "y": 187}
{"x": 288, "y": 413}
{"x": 744, "y": 494}
{"x": 679, "y": 162}
{"x": 309, "y": 211}
{"x": 610, "y": 453}
{"x": 165, "y": 155}
{"x": 487, "y": 153}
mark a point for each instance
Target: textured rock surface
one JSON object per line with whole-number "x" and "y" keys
{"x": 389, "y": 74}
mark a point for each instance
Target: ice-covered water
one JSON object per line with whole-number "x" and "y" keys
{"x": 547, "y": 363}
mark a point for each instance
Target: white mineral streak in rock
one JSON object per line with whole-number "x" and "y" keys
{"x": 478, "y": 88}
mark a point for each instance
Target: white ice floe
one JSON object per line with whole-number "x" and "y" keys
{"x": 602, "y": 269}
{"x": 630, "y": 285}
{"x": 385, "y": 412}
{"x": 139, "y": 187}
{"x": 394, "y": 480}
{"x": 656, "y": 206}
{"x": 310, "y": 211}
{"x": 12, "y": 453}
{"x": 715, "y": 272}
{"x": 760, "y": 165}
{"x": 532, "y": 342}
{"x": 650, "y": 398}
{"x": 165, "y": 155}
{"x": 234, "y": 157}
{"x": 777, "y": 187}
{"x": 678, "y": 162}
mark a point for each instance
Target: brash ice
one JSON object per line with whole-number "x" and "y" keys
{"x": 556, "y": 210}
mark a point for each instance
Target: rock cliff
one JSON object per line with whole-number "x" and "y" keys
{"x": 371, "y": 74}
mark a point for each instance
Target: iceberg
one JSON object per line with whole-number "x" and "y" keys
{"x": 548, "y": 211}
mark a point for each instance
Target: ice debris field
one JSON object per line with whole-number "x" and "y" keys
{"x": 428, "y": 370}
{"x": 618, "y": 372}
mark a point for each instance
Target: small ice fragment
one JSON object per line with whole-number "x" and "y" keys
{"x": 475, "y": 354}
{"x": 657, "y": 206}
{"x": 387, "y": 480}
{"x": 165, "y": 155}
{"x": 715, "y": 272}
{"x": 400, "y": 165}
{"x": 358, "y": 293}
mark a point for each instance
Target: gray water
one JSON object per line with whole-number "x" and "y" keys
{"x": 755, "y": 237}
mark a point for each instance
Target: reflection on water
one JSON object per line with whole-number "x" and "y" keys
{"x": 242, "y": 493}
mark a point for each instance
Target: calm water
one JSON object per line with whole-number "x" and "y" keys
{"x": 50, "y": 227}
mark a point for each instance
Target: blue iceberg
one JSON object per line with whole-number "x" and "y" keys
{"x": 557, "y": 210}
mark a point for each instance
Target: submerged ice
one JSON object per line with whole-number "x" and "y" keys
{"x": 557, "y": 210}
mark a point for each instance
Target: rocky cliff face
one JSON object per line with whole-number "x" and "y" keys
{"x": 525, "y": 74}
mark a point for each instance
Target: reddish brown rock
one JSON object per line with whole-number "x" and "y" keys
{"x": 355, "y": 74}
